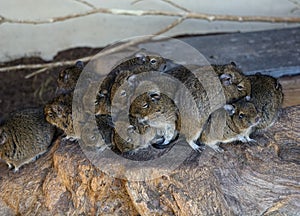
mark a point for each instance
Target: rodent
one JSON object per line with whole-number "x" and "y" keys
{"x": 136, "y": 64}
{"x": 240, "y": 118}
{"x": 267, "y": 96}
{"x": 58, "y": 112}
{"x": 155, "y": 110}
{"x": 153, "y": 121}
{"x": 235, "y": 84}
{"x": 24, "y": 136}
{"x": 67, "y": 78}
{"x": 192, "y": 100}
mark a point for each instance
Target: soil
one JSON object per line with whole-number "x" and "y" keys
{"x": 17, "y": 92}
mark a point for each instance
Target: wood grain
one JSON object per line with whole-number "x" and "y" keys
{"x": 291, "y": 90}
{"x": 260, "y": 179}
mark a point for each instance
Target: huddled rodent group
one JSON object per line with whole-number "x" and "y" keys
{"x": 251, "y": 103}
{"x": 156, "y": 114}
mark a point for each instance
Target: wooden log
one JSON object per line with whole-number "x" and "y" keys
{"x": 291, "y": 90}
{"x": 260, "y": 179}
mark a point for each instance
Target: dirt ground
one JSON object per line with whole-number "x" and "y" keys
{"x": 17, "y": 92}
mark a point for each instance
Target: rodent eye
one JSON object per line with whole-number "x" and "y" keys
{"x": 241, "y": 115}
{"x": 153, "y": 61}
{"x": 123, "y": 93}
{"x": 145, "y": 105}
{"x": 240, "y": 87}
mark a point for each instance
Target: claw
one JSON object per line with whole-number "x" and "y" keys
{"x": 250, "y": 140}
{"x": 196, "y": 147}
{"x": 217, "y": 148}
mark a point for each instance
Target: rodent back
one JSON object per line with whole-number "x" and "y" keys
{"x": 24, "y": 134}
{"x": 267, "y": 96}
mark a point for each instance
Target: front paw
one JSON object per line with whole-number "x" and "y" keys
{"x": 217, "y": 148}
{"x": 196, "y": 147}
{"x": 160, "y": 143}
{"x": 250, "y": 140}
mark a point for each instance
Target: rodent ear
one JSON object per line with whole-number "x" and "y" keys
{"x": 79, "y": 64}
{"x": 131, "y": 80}
{"x": 230, "y": 109}
{"x": 141, "y": 57}
{"x": 240, "y": 86}
{"x": 278, "y": 85}
{"x": 3, "y": 137}
{"x": 170, "y": 64}
{"x": 233, "y": 64}
{"x": 226, "y": 79}
{"x": 155, "y": 96}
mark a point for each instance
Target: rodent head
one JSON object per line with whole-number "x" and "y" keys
{"x": 150, "y": 62}
{"x": 123, "y": 141}
{"x": 145, "y": 106}
{"x": 68, "y": 77}
{"x": 243, "y": 114}
{"x": 236, "y": 85}
{"x": 59, "y": 114}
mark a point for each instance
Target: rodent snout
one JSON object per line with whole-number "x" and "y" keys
{"x": 143, "y": 120}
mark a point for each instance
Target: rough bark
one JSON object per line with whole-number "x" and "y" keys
{"x": 252, "y": 179}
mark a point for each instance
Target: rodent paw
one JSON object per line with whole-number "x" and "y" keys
{"x": 217, "y": 148}
{"x": 16, "y": 169}
{"x": 251, "y": 140}
{"x": 9, "y": 166}
{"x": 196, "y": 147}
{"x": 70, "y": 138}
{"x": 243, "y": 139}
